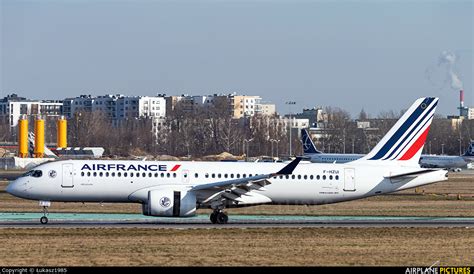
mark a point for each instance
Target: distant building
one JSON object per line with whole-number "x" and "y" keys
{"x": 117, "y": 107}
{"x": 314, "y": 115}
{"x": 470, "y": 113}
{"x": 12, "y": 107}
{"x": 238, "y": 106}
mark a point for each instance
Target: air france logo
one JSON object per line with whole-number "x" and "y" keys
{"x": 52, "y": 173}
{"x": 165, "y": 202}
{"x": 129, "y": 167}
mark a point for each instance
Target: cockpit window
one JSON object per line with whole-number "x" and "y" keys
{"x": 33, "y": 173}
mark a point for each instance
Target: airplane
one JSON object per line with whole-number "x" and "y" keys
{"x": 178, "y": 188}
{"x": 454, "y": 163}
{"x": 316, "y": 156}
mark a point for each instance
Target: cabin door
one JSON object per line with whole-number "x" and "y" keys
{"x": 67, "y": 176}
{"x": 349, "y": 179}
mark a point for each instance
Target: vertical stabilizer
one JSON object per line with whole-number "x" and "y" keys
{"x": 405, "y": 140}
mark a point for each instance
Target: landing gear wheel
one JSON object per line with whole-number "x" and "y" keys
{"x": 213, "y": 217}
{"x": 44, "y": 220}
{"x": 222, "y": 218}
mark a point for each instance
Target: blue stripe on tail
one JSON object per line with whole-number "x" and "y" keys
{"x": 404, "y": 127}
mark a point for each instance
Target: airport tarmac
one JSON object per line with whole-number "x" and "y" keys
{"x": 87, "y": 220}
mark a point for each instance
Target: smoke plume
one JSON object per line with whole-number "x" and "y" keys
{"x": 448, "y": 60}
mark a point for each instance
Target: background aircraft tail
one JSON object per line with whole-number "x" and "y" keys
{"x": 308, "y": 145}
{"x": 405, "y": 140}
{"x": 470, "y": 150}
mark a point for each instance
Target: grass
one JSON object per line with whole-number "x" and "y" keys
{"x": 255, "y": 246}
{"x": 237, "y": 247}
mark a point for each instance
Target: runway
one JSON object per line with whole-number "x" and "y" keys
{"x": 86, "y": 220}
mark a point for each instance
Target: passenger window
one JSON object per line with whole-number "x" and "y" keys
{"x": 106, "y": 174}
{"x": 149, "y": 174}
{"x": 174, "y": 175}
{"x": 324, "y": 177}
{"x": 318, "y": 177}
{"x": 225, "y": 175}
{"x": 168, "y": 175}
{"x": 244, "y": 176}
{"x": 138, "y": 174}
{"x": 330, "y": 177}
{"x": 238, "y": 175}
{"x": 293, "y": 176}
{"x": 37, "y": 173}
{"x": 156, "y": 175}
{"x": 218, "y": 175}
{"x": 196, "y": 175}
{"x": 119, "y": 174}
{"x": 125, "y": 174}
{"x": 143, "y": 174}
{"x": 299, "y": 176}
{"x": 185, "y": 175}
{"x": 101, "y": 174}
{"x": 213, "y": 175}
{"x": 82, "y": 173}
{"x": 281, "y": 176}
{"x": 131, "y": 174}
{"x": 113, "y": 174}
{"x": 232, "y": 175}
{"x": 162, "y": 175}
{"x": 206, "y": 175}
{"x": 287, "y": 176}
{"x": 337, "y": 177}
{"x": 311, "y": 177}
{"x": 94, "y": 174}
{"x": 305, "y": 177}
{"x": 88, "y": 174}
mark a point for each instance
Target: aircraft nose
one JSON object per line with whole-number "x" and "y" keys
{"x": 10, "y": 188}
{"x": 14, "y": 188}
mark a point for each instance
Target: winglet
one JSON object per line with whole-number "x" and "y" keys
{"x": 288, "y": 169}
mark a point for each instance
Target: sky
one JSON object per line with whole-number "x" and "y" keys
{"x": 373, "y": 55}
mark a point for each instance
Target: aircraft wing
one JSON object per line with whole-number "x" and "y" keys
{"x": 234, "y": 190}
{"x": 288, "y": 169}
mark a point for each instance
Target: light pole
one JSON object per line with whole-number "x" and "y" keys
{"x": 274, "y": 141}
{"x": 460, "y": 150}
{"x": 289, "y": 103}
{"x": 247, "y": 141}
{"x": 442, "y": 149}
{"x": 344, "y": 141}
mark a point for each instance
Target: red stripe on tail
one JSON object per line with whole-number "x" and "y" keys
{"x": 416, "y": 146}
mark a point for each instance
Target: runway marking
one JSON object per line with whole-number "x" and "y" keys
{"x": 10, "y": 219}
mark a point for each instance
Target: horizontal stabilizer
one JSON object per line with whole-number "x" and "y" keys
{"x": 418, "y": 172}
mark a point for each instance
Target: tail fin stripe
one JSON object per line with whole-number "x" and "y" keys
{"x": 403, "y": 128}
{"x": 416, "y": 146}
{"x": 410, "y": 134}
{"x": 412, "y": 137}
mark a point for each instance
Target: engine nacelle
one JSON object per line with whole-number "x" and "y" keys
{"x": 170, "y": 203}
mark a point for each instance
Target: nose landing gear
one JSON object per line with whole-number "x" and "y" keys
{"x": 45, "y": 205}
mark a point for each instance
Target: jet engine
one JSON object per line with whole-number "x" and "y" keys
{"x": 170, "y": 203}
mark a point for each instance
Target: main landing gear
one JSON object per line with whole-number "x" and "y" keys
{"x": 45, "y": 205}
{"x": 219, "y": 217}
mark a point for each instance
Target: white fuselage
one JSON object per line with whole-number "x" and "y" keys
{"x": 117, "y": 181}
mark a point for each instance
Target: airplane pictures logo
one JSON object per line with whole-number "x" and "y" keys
{"x": 165, "y": 202}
